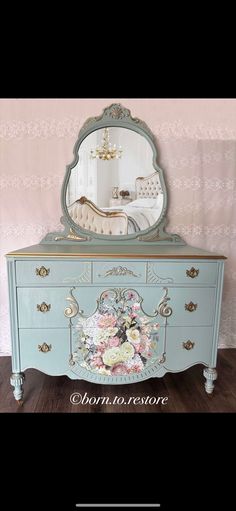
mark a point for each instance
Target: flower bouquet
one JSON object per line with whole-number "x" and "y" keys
{"x": 118, "y": 339}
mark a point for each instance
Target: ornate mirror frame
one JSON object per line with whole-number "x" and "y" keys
{"x": 113, "y": 116}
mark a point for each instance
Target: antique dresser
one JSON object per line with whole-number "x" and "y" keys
{"x": 114, "y": 298}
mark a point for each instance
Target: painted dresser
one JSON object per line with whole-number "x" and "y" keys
{"x": 109, "y": 300}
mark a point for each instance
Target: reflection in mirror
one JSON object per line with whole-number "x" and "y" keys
{"x": 114, "y": 188}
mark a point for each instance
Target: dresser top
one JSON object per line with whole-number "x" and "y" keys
{"x": 115, "y": 251}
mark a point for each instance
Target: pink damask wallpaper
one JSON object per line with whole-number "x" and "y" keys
{"x": 196, "y": 140}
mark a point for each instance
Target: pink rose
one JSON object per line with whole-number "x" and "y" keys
{"x": 119, "y": 369}
{"x": 131, "y": 295}
{"x": 133, "y": 315}
{"x": 102, "y": 346}
{"x": 107, "y": 321}
{"x": 97, "y": 362}
{"x": 136, "y": 306}
{"x": 136, "y": 368}
{"x": 114, "y": 341}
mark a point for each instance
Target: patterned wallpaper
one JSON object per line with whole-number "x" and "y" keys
{"x": 196, "y": 140}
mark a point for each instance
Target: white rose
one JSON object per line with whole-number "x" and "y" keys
{"x": 126, "y": 351}
{"x": 133, "y": 335}
{"x": 111, "y": 356}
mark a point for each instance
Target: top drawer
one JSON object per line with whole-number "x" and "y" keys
{"x": 77, "y": 272}
{"x": 43, "y": 272}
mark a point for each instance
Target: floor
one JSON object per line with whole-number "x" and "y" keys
{"x": 179, "y": 392}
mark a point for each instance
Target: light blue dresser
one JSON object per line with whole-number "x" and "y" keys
{"x": 178, "y": 288}
{"x": 114, "y": 308}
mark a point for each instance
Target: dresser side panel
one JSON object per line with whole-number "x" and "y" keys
{"x": 219, "y": 292}
{"x": 11, "y": 269}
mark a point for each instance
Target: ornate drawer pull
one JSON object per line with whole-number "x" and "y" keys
{"x": 190, "y": 306}
{"x": 192, "y": 273}
{"x": 44, "y": 307}
{"x": 42, "y": 272}
{"x": 45, "y": 348}
{"x": 188, "y": 345}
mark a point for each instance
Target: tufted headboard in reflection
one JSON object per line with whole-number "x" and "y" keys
{"x": 148, "y": 187}
{"x": 88, "y": 216}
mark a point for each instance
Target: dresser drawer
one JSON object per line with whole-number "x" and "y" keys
{"x": 198, "y": 340}
{"x": 119, "y": 272}
{"x": 42, "y": 307}
{"x": 191, "y": 306}
{"x": 187, "y": 272}
{"x": 53, "y": 362}
{"x": 46, "y": 272}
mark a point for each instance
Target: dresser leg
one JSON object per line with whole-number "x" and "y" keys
{"x": 210, "y": 375}
{"x": 17, "y": 380}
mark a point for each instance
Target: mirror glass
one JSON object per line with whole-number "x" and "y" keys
{"x": 114, "y": 189}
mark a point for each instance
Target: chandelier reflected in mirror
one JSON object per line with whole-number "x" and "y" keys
{"x": 106, "y": 151}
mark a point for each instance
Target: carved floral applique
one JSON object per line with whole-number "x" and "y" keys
{"x": 118, "y": 339}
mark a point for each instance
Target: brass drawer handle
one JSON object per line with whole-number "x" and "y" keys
{"x": 42, "y": 272}
{"x": 192, "y": 273}
{"x": 44, "y": 348}
{"x": 44, "y": 307}
{"x": 188, "y": 345}
{"x": 190, "y": 306}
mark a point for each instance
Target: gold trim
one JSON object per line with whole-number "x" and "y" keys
{"x": 110, "y": 214}
{"x": 73, "y": 308}
{"x": 163, "y": 309}
{"x": 115, "y": 256}
{"x": 72, "y": 236}
{"x": 119, "y": 270}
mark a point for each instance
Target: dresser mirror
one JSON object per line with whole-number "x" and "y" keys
{"x": 114, "y": 189}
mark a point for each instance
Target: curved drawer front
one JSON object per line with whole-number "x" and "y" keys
{"x": 56, "y": 341}
{"x": 198, "y": 347}
{"x": 46, "y": 272}
{"x": 42, "y": 307}
{"x": 119, "y": 272}
{"x": 187, "y": 272}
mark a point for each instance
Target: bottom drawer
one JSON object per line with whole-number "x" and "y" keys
{"x": 45, "y": 349}
{"x": 186, "y": 346}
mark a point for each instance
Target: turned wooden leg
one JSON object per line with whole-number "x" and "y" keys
{"x": 17, "y": 380}
{"x": 210, "y": 375}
